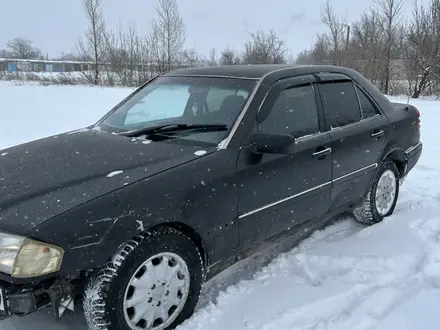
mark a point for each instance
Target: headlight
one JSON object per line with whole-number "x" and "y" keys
{"x": 23, "y": 257}
{"x": 9, "y": 246}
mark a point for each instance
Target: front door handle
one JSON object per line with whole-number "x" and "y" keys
{"x": 322, "y": 153}
{"x": 377, "y": 134}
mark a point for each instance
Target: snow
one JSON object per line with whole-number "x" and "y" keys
{"x": 346, "y": 276}
{"x": 141, "y": 225}
{"x": 114, "y": 173}
{"x": 221, "y": 144}
{"x": 30, "y": 112}
{"x": 200, "y": 152}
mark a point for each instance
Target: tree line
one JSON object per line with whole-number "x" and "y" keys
{"x": 400, "y": 55}
{"x": 134, "y": 55}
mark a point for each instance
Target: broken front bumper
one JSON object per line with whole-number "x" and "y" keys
{"x": 21, "y": 302}
{"x": 17, "y": 304}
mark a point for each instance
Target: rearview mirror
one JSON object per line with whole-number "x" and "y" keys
{"x": 273, "y": 143}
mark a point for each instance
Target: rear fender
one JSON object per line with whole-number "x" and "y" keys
{"x": 397, "y": 155}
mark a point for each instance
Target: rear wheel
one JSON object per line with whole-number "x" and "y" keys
{"x": 382, "y": 197}
{"x": 154, "y": 282}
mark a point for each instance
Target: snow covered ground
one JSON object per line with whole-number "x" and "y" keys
{"x": 346, "y": 276}
{"x": 29, "y": 112}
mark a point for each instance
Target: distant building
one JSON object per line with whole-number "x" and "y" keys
{"x": 19, "y": 65}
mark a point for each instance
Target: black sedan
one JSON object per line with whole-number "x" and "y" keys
{"x": 195, "y": 170}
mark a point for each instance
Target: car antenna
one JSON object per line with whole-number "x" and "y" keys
{"x": 407, "y": 103}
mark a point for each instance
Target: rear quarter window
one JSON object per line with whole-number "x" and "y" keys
{"x": 368, "y": 108}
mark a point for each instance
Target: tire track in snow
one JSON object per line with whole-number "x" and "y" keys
{"x": 373, "y": 299}
{"x": 372, "y": 302}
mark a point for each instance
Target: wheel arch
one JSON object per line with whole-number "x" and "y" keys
{"x": 397, "y": 155}
{"x": 191, "y": 233}
{"x": 185, "y": 229}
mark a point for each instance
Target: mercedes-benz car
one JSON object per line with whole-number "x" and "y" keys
{"x": 195, "y": 170}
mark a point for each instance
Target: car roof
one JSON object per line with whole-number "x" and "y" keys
{"x": 263, "y": 71}
{"x": 253, "y": 71}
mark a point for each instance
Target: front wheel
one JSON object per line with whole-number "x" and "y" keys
{"x": 382, "y": 197}
{"x": 154, "y": 282}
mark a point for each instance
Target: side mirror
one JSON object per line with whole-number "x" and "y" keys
{"x": 273, "y": 143}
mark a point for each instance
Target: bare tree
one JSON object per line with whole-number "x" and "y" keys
{"x": 128, "y": 54}
{"x": 265, "y": 48}
{"x": 92, "y": 49}
{"x": 22, "y": 49}
{"x": 339, "y": 32}
{"x": 303, "y": 58}
{"x": 373, "y": 45}
{"x": 145, "y": 61}
{"x": 114, "y": 55}
{"x": 423, "y": 47}
{"x": 391, "y": 12}
{"x": 130, "y": 45}
{"x": 229, "y": 57}
{"x": 368, "y": 44}
{"x": 321, "y": 52}
{"x": 212, "y": 60}
{"x": 291, "y": 58}
{"x": 191, "y": 58}
{"x": 5, "y": 53}
{"x": 167, "y": 35}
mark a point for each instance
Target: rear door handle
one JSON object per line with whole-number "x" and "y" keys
{"x": 323, "y": 152}
{"x": 377, "y": 134}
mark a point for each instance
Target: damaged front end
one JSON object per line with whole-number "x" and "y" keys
{"x": 20, "y": 300}
{"x": 29, "y": 280}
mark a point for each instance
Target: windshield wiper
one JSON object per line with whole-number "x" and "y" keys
{"x": 174, "y": 128}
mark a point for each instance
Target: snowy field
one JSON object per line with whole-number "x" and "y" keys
{"x": 344, "y": 277}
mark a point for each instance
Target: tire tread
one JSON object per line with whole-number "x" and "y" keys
{"x": 97, "y": 288}
{"x": 365, "y": 212}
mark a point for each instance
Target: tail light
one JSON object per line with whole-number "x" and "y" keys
{"x": 419, "y": 124}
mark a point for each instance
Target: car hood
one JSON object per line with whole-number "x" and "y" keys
{"x": 46, "y": 177}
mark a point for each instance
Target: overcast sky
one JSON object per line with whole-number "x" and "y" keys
{"x": 55, "y": 25}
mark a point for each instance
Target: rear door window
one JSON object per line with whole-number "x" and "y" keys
{"x": 341, "y": 104}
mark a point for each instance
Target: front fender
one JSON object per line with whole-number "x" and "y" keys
{"x": 200, "y": 195}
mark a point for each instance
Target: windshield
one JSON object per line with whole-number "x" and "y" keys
{"x": 183, "y": 100}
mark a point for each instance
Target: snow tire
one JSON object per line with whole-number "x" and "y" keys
{"x": 104, "y": 293}
{"x": 366, "y": 212}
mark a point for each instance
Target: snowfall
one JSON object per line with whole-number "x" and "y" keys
{"x": 345, "y": 276}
